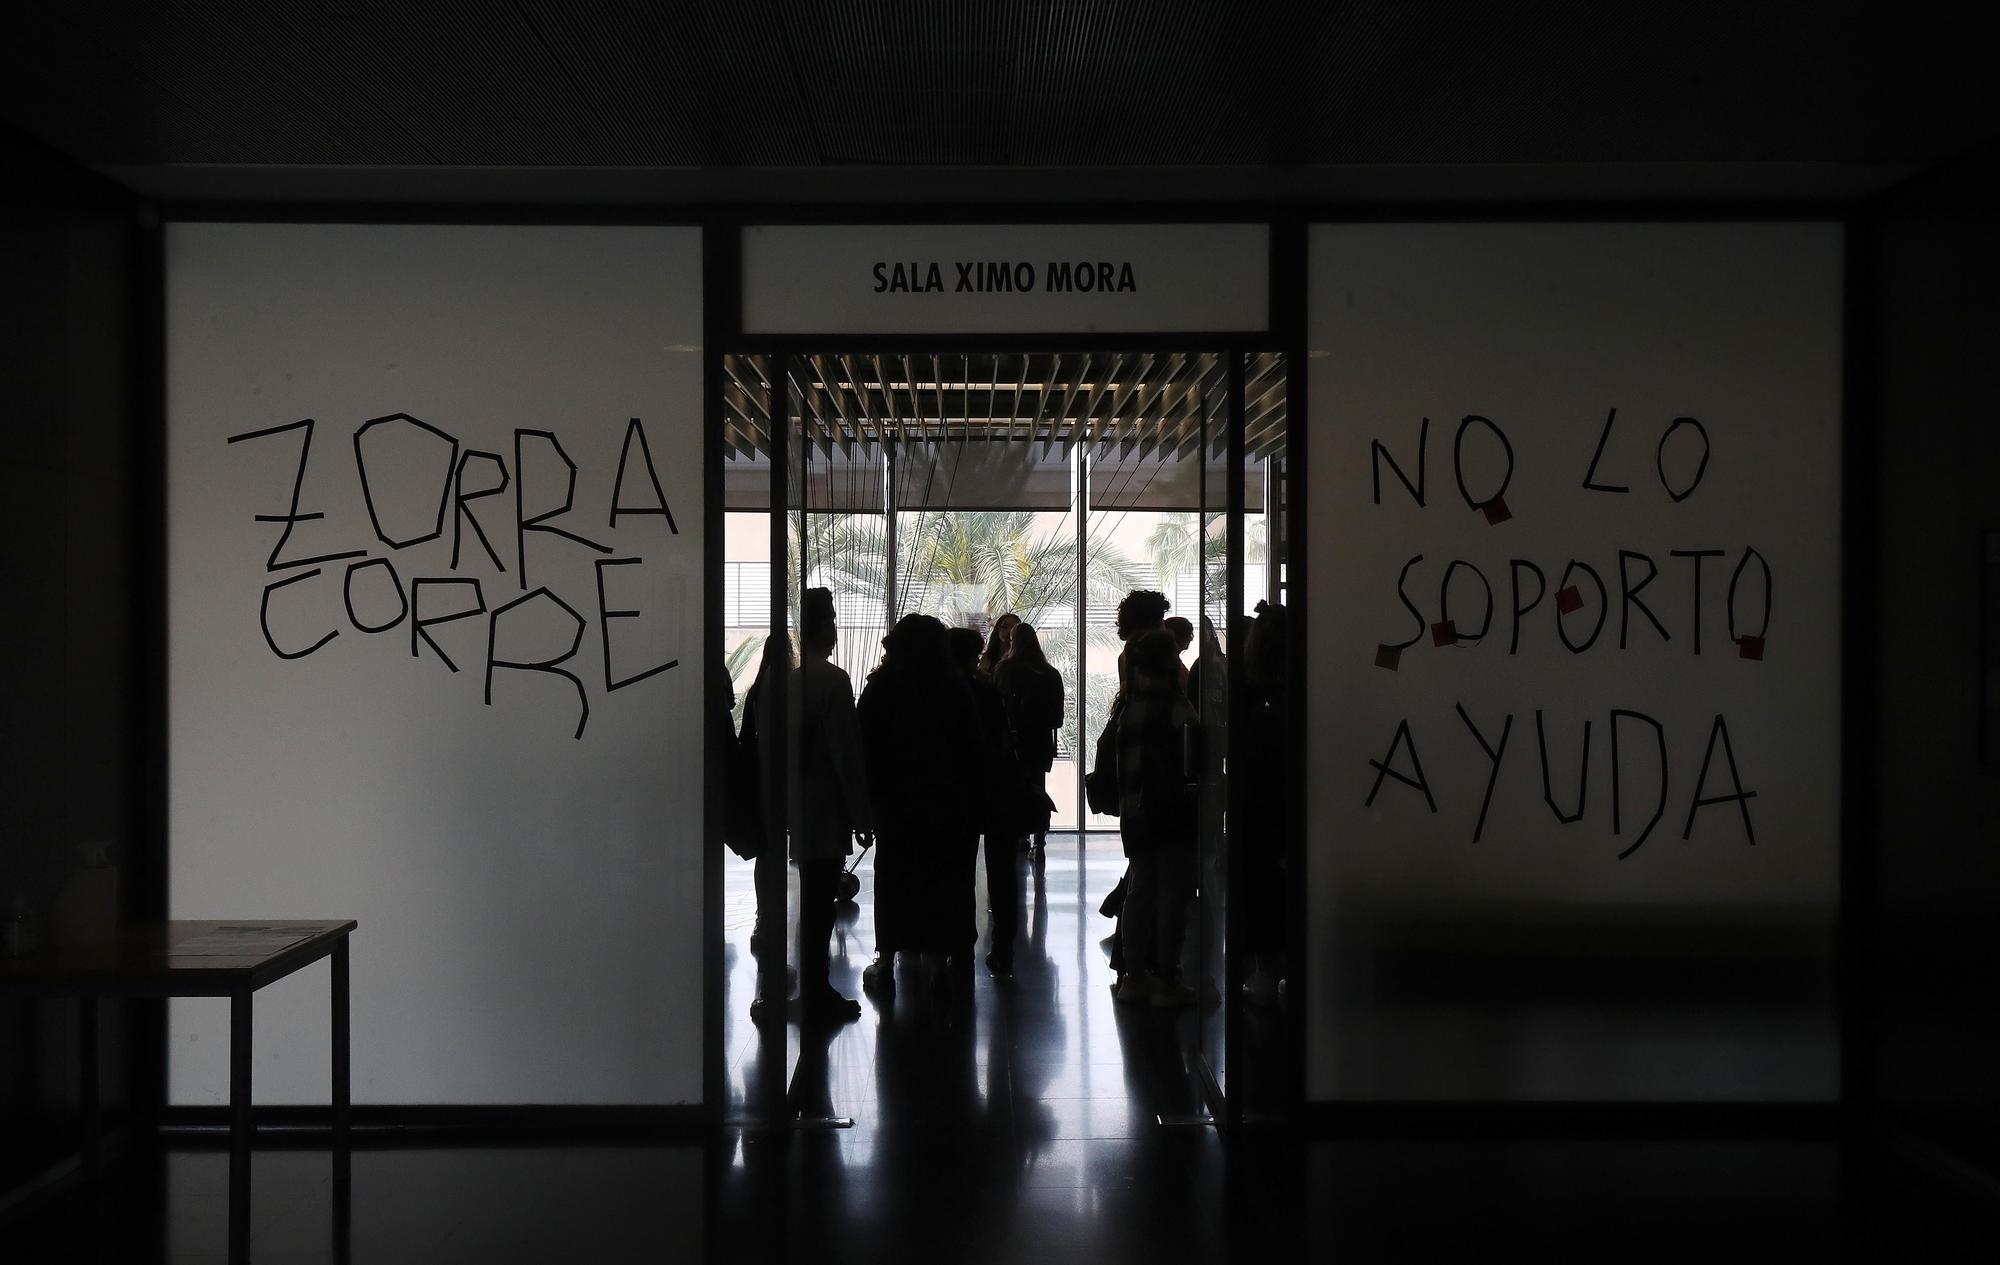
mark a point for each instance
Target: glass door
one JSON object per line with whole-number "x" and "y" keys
{"x": 1237, "y": 684}
{"x": 1257, "y": 857}
{"x": 1208, "y": 687}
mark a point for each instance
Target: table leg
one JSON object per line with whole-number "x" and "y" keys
{"x": 240, "y": 1126}
{"x": 342, "y": 1156}
{"x": 90, "y": 1101}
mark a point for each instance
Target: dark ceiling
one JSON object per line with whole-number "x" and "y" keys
{"x": 1042, "y": 84}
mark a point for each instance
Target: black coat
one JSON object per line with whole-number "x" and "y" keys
{"x": 922, "y": 739}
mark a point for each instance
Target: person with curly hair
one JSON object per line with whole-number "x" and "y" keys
{"x": 1141, "y": 611}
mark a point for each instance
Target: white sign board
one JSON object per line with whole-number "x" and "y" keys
{"x": 435, "y": 649}
{"x": 1574, "y": 738}
{"x": 1006, "y": 278}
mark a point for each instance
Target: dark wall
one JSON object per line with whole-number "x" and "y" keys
{"x": 72, "y": 574}
{"x": 1932, "y": 885}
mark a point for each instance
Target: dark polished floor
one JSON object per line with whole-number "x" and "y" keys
{"x": 1045, "y": 1043}
{"x": 1028, "y": 1119}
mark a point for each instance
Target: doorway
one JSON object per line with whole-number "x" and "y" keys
{"x": 1048, "y": 485}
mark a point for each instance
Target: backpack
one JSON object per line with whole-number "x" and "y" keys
{"x": 1100, "y": 786}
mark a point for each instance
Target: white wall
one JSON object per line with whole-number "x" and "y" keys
{"x": 529, "y": 900}
{"x": 1535, "y": 963}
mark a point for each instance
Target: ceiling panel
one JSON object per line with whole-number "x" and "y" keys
{"x": 994, "y": 83}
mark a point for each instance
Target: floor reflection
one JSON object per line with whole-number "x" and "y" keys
{"x": 1050, "y": 1031}
{"x": 1024, "y": 1105}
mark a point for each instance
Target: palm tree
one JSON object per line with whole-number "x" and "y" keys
{"x": 1178, "y": 543}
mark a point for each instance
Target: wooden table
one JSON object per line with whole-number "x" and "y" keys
{"x": 197, "y": 959}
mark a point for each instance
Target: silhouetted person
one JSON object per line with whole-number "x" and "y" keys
{"x": 1208, "y": 678}
{"x": 759, "y": 726}
{"x": 1156, "y": 820}
{"x": 1262, "y": 741}
{"x": 1183, "y": 633}
{"x": 919, "y": 730}
{"x": 829, "y": 803}
{"x": 1032, "y": 690}
{"x": 998, "y": 784}
{"x": 1139, "y": 612}
{"x": 996, "y": 645}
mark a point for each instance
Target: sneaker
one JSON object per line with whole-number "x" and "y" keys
{"x": 1134, "y": 988}
{"x": 1171, "y": 993}
{"x": 879, "y": 976}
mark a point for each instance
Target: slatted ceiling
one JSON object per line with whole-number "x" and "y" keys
{"x": 1119, "y": 405}
{"x": 1022, "y": 83}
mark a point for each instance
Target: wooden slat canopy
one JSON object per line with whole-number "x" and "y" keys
{"x": 1131, "y": 405}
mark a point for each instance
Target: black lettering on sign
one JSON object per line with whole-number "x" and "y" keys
{"x": 1377, "y": 454}
{"x": 1697, "y": 555}
{"x": 1617, "y": 801}
{"x": 1736, "y": 577}
{"x": 907, "y": 278}
{"x": 368, "y": 495}
{"x": 524, "y": 524}
{"x": 1514, "y": 569}
{"x": 659, "y": 506}
{"x": 1603, "y": 608}
{"x": 1493, "y": 755}
{"x": 291, "y": 514}
{"x": 1444, "y": 600}
{"x": 347, "y": 595}
{"x": 1737, "y": 796}
{"x": 1402, "y": 592}
{"x": 604, "y": 617}
{"x": 418, "y": 623}
{"x": 548, "y": 665}
{"x": 1590, "y": 476}
{"x": 1628, "y": 596}
{"x": 1382, "y": 768}
{"x": 461, "y": 516}
{"x": 1458, "y": 461}
{"x": 1582, "y": 776}
{"x": 1701, "y": 467}
{"x": 1085, "y": 276}
{"x": 264, "y": 618}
